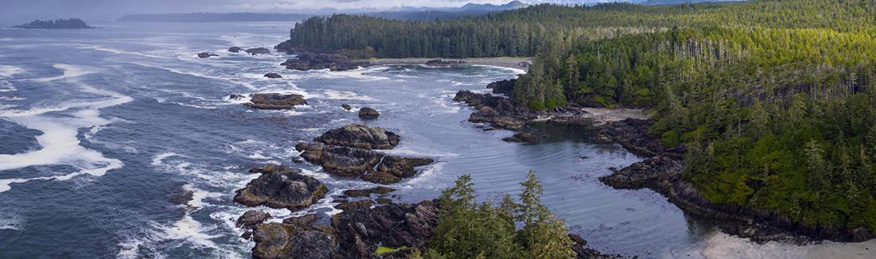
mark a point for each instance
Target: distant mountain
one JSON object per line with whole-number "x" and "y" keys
{"x": 402, "y": 13}
{"x": 672, "y": 2}
{"x": 214, "y": 17}
{"x": 72, "y": 23}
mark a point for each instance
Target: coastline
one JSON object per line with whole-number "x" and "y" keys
{"x": 506, "y": 62}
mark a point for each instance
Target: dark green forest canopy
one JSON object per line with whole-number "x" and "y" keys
{"x": 774, "y": 100}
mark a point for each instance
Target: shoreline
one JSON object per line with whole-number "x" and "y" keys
{"x": 505, "y": 62}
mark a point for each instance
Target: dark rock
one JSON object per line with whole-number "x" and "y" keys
{"x": 298, "y": 160}
{"x": 183, "y": 197}
{"x": 275, "y": 101}
{"x": 505, "y": 87}
{"x": 487, "y": 114}
{"x": 360, "y": 136}
{"x": 384, "y": 200}
{"x": 358, "y": 162}
{"x": 235, "y": 49}
{"x": 355, "y": 205}
{"x": 257, "y": 51}
{"x": 360, "y": 232}
{"x": 276, "y": 240}
{"x": 206, "y": 55}
{"x": 368, "y": 113}
{"x": 346, "y": 107}
{"x": 281, "y": 187}
{"x": 444, "y": 63}
{"x": 303, "y": 221}
{"x": 236, "y": 97}
{"x": 644, "y": 173}
{"x": 273, "y": 75}
{"x": 367, "y": 192}
{"x": 522, "y": 137}
{"x": 315, "y": 61}
{"x": 252, "y": 218}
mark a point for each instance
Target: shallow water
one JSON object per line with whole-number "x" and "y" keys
{"x": 100, "y": 129}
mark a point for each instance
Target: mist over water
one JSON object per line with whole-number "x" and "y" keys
{"x": 102, "y": 129}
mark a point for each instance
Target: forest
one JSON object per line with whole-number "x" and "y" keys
{"x": 773, "y": 99}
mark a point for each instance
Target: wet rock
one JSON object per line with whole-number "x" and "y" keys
{"x": 368, "y": 113}
{"x": 273, "y": 75}
{"x": 358, "y": 162}
{"x": 643, "y": 174}
{"x": 444, "y": 63}
{"x": 206, "y": 55}
{"x": 505, "y": 87}
{"x": 316, "y": 61}
{"x": 360, "y": 136}
{"x": 236, "y": 97}
{"x": 360, "y": 232}
{"x": 384, "y": 200}
{"x": 235, "y": 49}
{"x": 275, "y": 101}
{"x": 258, "y": 51}
{"x": 297, "y": 160}
{"x": 367, "y": 192}
{"x": 281, "y": 187}
{"x": 303, "y": 221}
{"x": 487, "y": 114}
{"x": 355, "y": 205}
{"x": 252, "y": 218}
{"x": 346, "y": 107}
{"x": 276, "y": 240}
{"x": 183, "y": 197}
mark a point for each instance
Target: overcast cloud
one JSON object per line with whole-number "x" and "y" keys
{"x": 110, "y": 9}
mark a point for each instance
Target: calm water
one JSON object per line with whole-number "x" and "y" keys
{"x": 101, "y": 129}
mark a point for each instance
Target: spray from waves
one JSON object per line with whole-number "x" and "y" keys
{"x": 344, "y": 95}
{"x": 59, "y": 142}
{"x": 8, "y": 71}
{"x": 360, "y": 73}
{"x": 9, "y": 221}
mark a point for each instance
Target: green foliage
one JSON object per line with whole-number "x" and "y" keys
{"x": 387, "y": 250}
{"x": 467, "y": 229}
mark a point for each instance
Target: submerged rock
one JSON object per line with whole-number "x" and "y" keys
{"x": 206, "y": 55}
{"x": 236, "y": 97}
{"x": 368, "y": 113}
{"x": 315, "y": 61}
{"x": 235, "y": 49}
{"x": 275, "y": 101}
{"x": 359, "y": 162}
{"x": 273, "y": 75}
{"x": 367, "y": 192}
{"x": 360, "y": 136}
{"x": 281, "y": 187}
{"x": 346, "y": 107}
{"x": 258, "y": 51}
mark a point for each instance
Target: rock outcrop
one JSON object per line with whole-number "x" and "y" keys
{"x": 281, "y": 187}
{"x": 273, "y": 75}
{"x": 258, "y": 51}
{"x": 505, "y": 87}
{"x": 275, "y": 101}
{"x": 316, "y": 61}
{"x": 380, "y": 190}
{"x": 206, "y": 55}
{"x": 346, "y": 107}
{"x": 368, "y": 113}
{"x": 235, "y": 49}
{"x": 360, "y": 136}
{"x": 354, "y": 233}
{"x": 359, "y": 162}
{"x": 252, "y": 218}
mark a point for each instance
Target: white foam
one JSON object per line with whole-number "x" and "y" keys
{"x": 159, "y": 159}
{"x": 10, "y": 221}
{"x": 360, "y": 73}
{"x": 344, "y": 95}
{"x": 70, "y": 71}
{"x": 516, "y": 71}
{"x": 8, "y": 71}
{"x": 58, "y": 141}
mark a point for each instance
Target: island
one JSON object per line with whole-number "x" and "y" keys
{"x": 72, "y": 23}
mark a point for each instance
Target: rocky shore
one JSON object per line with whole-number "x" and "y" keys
{"x": 661, "y": 171}
{"x": 349, "y": 151}
{"x": 315, "y": 61}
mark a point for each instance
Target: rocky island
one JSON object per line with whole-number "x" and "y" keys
{"x": 72, "y": 23}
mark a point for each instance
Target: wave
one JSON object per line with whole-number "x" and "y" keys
{"x": 59, "y": 142}
{"x": 344, "y": 95}
{"x": 9, "y": 221}
{"x": 8, "y": 71}
{"x": 516, "y": 71}
{"x": 69, "y": 71}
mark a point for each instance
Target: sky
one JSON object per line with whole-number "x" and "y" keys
{"x": 111, "y": 9}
